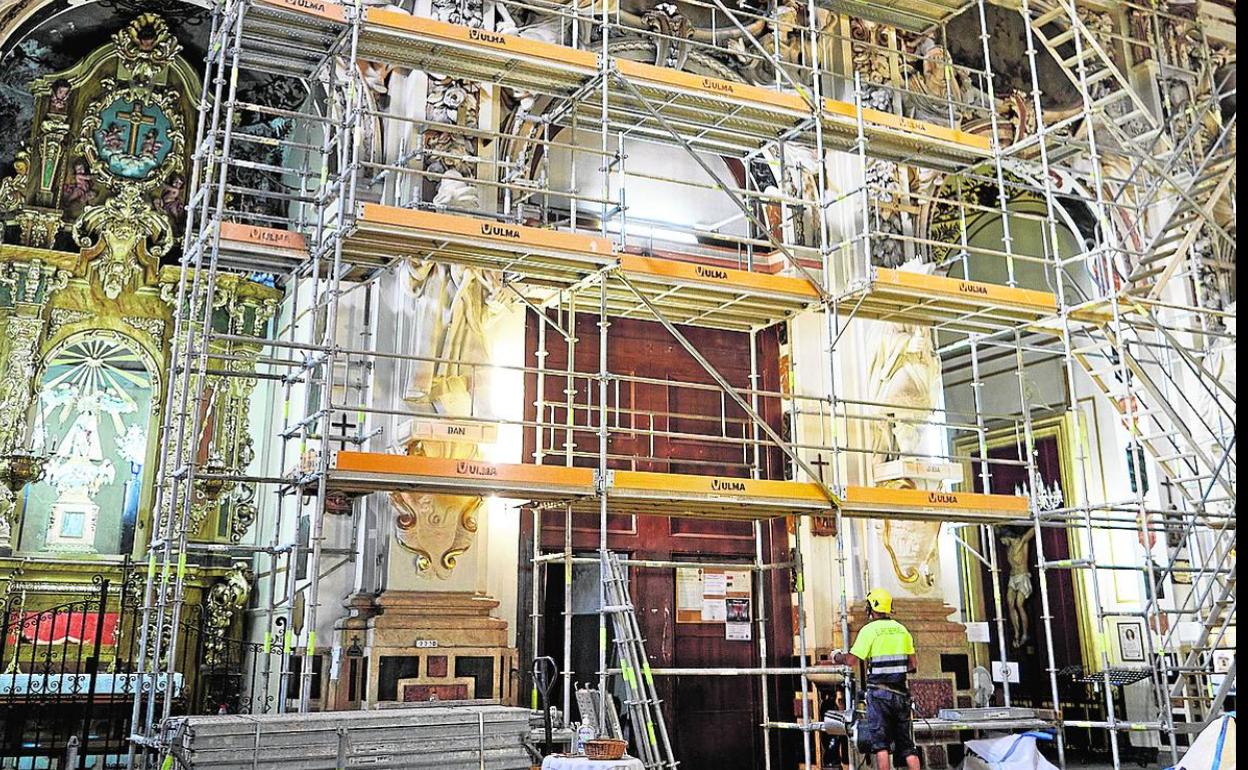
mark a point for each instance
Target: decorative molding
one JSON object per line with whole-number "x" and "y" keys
{"x": 60, "y": 317}
{"x": 221, "y": 604}
{"x": 153, "y": 327}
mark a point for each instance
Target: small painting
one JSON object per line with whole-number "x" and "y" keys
{"x": 1131, "y": 641}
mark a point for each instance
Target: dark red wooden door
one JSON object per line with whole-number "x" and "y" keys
{"x": 1033, "y": 688}
{"x": 682, "y": 429}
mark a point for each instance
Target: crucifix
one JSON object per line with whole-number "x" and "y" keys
{"x": 820, "y": 463}
{"x": 345, "y": 428}
{"x": 136, "y": 119}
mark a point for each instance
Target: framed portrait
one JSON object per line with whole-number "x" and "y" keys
{"x": 1131, "y": 641}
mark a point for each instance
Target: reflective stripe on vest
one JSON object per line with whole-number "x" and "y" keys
{"x": 889, "y": 664}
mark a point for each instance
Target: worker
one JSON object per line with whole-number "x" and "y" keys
{"x": 887, "y": 649}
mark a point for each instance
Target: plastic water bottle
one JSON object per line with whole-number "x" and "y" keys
{"x": 584, "y": 734}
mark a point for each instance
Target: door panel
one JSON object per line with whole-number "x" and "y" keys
{"x": 713, "y": 720}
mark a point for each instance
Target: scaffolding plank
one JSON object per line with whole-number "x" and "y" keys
{"x": 380, "y": 472}
{"x": 253, "y": 248}
{"x": 717, "y": 497}
{"x": 894, "y": 137}
{"x": 922, "y": 504}
{"x": 321, "y": 9}
{"x": 423, "y": 43}
{"x": 382, "y": 234}
{"x": 659, "y": 494}
{"x": 902, "y": 296}
{"x": 709, "y": 113}
{"x": 691, "y": 293}
{"x": 696, "y": 294}
{"x": 291, "y": 36}
{"x": 911, "y": 15}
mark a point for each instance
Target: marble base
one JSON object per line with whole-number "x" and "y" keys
{"x": 915, "y": 469}
{"x": 427, "y": 645}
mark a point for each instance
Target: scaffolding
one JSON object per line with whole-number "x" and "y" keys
{"x": 1131, "y": 308}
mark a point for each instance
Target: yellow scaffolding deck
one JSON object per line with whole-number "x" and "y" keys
{"x": 709, "y": 113}
{"x": 921, "y": 504}
{"x": 362, "y": 472}
{"x": 686, "y": 292}
{"x": 657, "y": 494}
{"x": 904, "y": 297}
{"x": 381, "y": 234}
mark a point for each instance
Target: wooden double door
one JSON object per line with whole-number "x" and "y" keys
{"x": 664, "y": 427}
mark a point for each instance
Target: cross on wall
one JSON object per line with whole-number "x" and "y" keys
{"x": 136, "y": 119}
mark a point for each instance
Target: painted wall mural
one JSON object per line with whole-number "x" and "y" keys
{"x": 91, "y": 209}
{"x": 92, "y": 422}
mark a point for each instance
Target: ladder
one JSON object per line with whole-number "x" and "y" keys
{"x": 1162, "y": 164}
{"x": 1092, "y": 69}
{"x": 1191, "y": 600}
{"x": 642, "y": 703}
{"x": 1193, "y": 451}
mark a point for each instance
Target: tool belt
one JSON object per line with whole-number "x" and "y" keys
{"x": 886, "y": 688}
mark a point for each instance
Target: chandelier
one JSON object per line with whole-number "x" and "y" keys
{"x": 1048, "y": 498}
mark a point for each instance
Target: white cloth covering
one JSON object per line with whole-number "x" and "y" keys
{"x": 1009, "y": 752}
{"x": 1214, "y": 749}
{"x": 582, "y": 763}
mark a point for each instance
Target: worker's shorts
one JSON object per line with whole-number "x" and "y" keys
{"x": 887, "y": 725}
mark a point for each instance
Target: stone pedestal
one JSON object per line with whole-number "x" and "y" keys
{"x": 426, "y": 645}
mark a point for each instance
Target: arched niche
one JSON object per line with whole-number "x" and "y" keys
{"x": 1037, "y": 248}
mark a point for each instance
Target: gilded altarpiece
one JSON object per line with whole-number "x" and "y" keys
{"x": 90, "y": 220}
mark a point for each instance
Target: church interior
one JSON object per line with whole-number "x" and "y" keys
{"x": 464, "y": 384}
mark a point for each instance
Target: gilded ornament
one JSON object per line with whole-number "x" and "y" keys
{"x": 223, "y": 601}
{"x": 115, "y": 238}
{"x": 13, "y": 188}
{"x": 146, "y": 47}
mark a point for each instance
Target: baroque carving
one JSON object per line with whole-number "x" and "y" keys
{"x": 23, "y": 335}
{"x": 105, "y": 156}
{"x": 13, "y": 188}
{"x": 152, "y": 327}
{"x": 122, "y": 229}
{"x": 146, "y": 47}
{"x": 672, "y": 29}
{"x": 223, "y": 601}
{"x": 60, "y": 317}
{"x": 438, "y": 529}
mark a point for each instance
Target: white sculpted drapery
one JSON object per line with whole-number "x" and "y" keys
{"x": 903, "y": 376}
{"x": 453, "y": 308}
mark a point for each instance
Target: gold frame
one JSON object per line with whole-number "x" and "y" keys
{"x": 1067, "y": 432}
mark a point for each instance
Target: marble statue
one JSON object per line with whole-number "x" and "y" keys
{"x": 1019, "y": 588}
{"x": 903, "y": 376}
{"x": 903, "y": 381}
{"x": 454, "y": 307}
{"x": 936, "y": 89}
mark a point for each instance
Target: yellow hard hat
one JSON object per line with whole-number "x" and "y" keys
{"x": 880, "y": 600}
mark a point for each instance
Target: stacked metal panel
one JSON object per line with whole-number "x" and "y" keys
{"x": 445, "y": 737}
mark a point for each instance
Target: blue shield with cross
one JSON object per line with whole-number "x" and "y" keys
{"x": 133, "y": 138}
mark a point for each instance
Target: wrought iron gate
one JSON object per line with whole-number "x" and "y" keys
{"x": 68, "y": 675}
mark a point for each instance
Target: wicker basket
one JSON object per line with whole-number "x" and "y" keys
{"x": 605, "y": 748}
